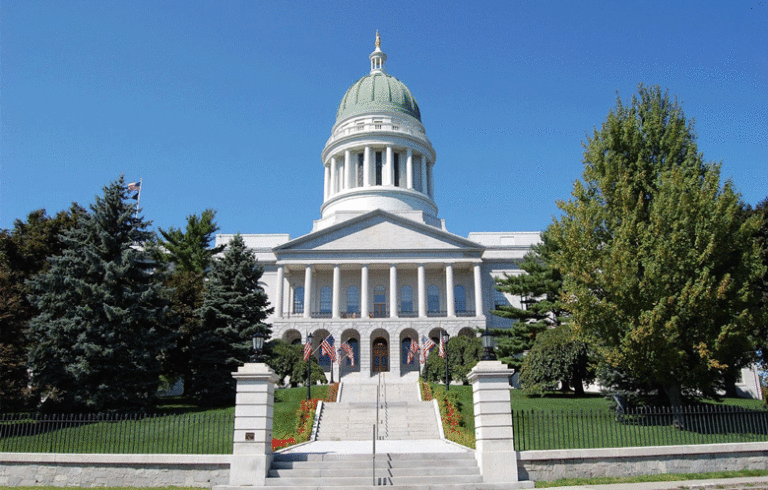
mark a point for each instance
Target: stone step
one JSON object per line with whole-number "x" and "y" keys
{"x": 435, "y": 457}
{"x": 383, "y": 469}
{"x": 431, "y": 481}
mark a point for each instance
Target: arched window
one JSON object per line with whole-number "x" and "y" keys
{"x": 379, "y": 302}
{"x": 459, "y": 299}
{"x": 326, "y": 300}
{"x": 406, "y": 300}
{"x": 405, "y": 347}
{"x": 433, "y": 299}
{"x": 356, "y": 350}
{"x": 298, "y": 300}
{"x": 499, "y": 299}
{"x": 353, "y": 300}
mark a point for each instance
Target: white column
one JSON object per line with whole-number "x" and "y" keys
{"x": 393, "y": 291}
{"x": 307, "y": 290}
{"x": 409, "y": 169}
{"x": 334, "y": 179}
{"x": 423, "y": 174}
{"x": 348, "y": 184}
{"x": 279, "y": 291}
{"x": 421, "y": 286}
{"x": 252, "y": 440}
{"x": 478, "y": 291}
{"x": 364, "y": 291}
{"x": 367, "y": 166}
{"x": 389, "y": 168}
{"x": 336, "y": 283}
{"x": 449, "y": 301}
{"x": 494, "y": 433}
{"x": 326, "y": 188}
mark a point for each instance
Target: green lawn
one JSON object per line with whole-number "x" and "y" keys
{"x": 287, "y": 403}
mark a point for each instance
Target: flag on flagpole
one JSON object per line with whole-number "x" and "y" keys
{"x": 441, "y": 348}
{"x": 134, "y": 186}
{"x": 349, "y": 352}
{"x": 413, "y": 350}
{"x": 307, "y": 350}
{"x": 327, "y": 348}
{"x": 426, "y": 346}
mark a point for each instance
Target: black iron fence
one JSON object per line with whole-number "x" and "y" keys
{"x": 654, "y": 426}
{"x": 138, "y": 433}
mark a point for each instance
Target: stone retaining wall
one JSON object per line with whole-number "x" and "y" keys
{"x": 114, "y": 470}
{"x": 634, "y": 461}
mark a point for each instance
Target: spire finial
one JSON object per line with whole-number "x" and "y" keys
{"x": 377, "y": 57}
{"x": 378, "y": 40}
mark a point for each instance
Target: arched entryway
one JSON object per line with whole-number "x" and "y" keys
{"x": 379, "y": 355}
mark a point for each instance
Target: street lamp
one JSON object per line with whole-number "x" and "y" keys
{"x": 309, "y": 366}
{"x": 258, "y": 347}
{"x": 447, "y": 374}
{"x": 489, "y": 342}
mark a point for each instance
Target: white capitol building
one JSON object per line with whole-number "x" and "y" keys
{"x": 379, "y": 267}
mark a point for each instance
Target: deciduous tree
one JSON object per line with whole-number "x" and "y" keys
{"x": 659, "y": 264}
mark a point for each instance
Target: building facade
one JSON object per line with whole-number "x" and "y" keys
{"x": 379, "y": 268}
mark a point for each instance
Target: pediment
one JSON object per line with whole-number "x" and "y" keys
{"x": 380, "y": 231}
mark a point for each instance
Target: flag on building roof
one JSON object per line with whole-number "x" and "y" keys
{"x": 426, "y": 346}
{"x": 326, "y": 348}
{"x": 307, "y": 350}
{"x": 413, "y": 350}
{"x": 349, "y": 352}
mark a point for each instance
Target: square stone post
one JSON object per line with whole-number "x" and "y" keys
{"x": 495, "y": 448}
{"x": 252, "y": 447}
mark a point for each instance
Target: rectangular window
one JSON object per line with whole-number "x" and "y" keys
{"x": 396, "y": 162}
{"x": 379, "y": 165}
{"x": 360, "y": 166}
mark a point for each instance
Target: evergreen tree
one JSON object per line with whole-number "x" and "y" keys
{"x": 658, "y": 262}
{"x": 234, "y": 309}
{"x": 540, "y": 289}
{"x": 190, "y": 250}
{"x": 24, "y": 251}
{"x": 98, "y": 337}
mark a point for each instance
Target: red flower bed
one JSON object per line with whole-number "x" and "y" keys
{"x": 278, "y": 443}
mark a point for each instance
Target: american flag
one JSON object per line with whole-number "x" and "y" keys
{"x": 414, "y": 349}
{"x": 326, "y": 347}
{"x": 349, "y": 352}
{"x": 134, "y": 186}
{"x": 441, "y": 348}
{"x": 426, "y": 346}
{"x": 307, "y": 350}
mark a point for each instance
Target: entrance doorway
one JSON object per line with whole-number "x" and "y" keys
{"x": 380, "y": 356}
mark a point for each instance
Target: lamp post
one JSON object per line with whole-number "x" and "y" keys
{"x": 447, "y": 374}
{"x": 489, "y": 342}
{"x": 309, "y": 366}
{"x": 258, "y": 347}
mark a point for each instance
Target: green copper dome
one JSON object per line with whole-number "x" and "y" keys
{"x": 378, "y": 92}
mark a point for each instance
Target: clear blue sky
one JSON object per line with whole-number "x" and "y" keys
{"x": 227, "y": 104}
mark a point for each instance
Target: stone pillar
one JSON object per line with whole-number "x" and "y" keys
{"x": 423, "y": 174}
{"x": 364, "y": 291}
{"x": 326, "y": 188}
{"x": 348, "y": 184}
{"x": 252, "y": 446}
{"x": 334, "y": 178}
{"x": 336, "y": 293}
{"x": 367, "y": 166}
{"x": 478, "y": 291}
{"x": 307, "y": 291}
{"x": 393, "y": 291}
{"x": 495, "y": 448}
{"x": 389, "y": 168}
{"x": 422, "y": 292}
{"x": 279, "y": 291}
{"x": 409, "y": 169}
{"x": 449, "y": 300}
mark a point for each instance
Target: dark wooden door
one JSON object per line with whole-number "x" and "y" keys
{"x": 380, "y": 356}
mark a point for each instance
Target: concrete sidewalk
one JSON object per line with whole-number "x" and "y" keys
{"x": 749, "y": 483}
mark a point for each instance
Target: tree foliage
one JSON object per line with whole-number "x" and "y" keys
{"x": 190, "y": 250}
{"x": 463, "y": 354}
{"x": 233, "y": 310}
{"x": 558, "y": 356}
{"x": 540, "y": 289}
{"x": 658, "y": 261}
{"x": 98, "y": 336}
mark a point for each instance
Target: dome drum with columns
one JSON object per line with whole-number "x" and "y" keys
{"x": 379, "y": 268}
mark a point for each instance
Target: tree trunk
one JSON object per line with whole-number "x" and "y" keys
{"x": 675, "y": 396}
{"x": 578, "y": 386}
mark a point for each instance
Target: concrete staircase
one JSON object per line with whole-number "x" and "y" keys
{"x": 349, "y": 471}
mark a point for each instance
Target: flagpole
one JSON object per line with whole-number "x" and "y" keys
{"x": 138, "y": 199}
